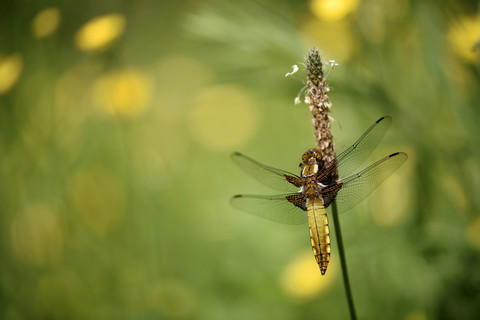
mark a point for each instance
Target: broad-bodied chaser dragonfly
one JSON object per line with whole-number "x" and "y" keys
{"x": 319, "y": 184}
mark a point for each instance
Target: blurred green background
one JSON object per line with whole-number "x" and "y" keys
{"x": 117, "y": 119}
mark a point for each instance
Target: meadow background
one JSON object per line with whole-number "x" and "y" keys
{"x": 117, "y": 119}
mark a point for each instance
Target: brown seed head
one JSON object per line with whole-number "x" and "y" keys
{"x": 317, "y": 97}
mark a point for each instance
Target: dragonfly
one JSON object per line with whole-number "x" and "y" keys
{"x": 306, "y": 197}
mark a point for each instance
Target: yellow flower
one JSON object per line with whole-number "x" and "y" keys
{"x": 10, "y": 70}
{"x": 464, "y": 37}
{"x": 46, "y": 22}
{"x": 100, "y": 33}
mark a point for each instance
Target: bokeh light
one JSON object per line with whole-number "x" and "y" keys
{"x": 473, "y": 233}
{"x": 372, "y": 25}
{"x": 10, "y": 71}
{"x": 301, "y": 280}
{"x": 390, "y": 203}
{"x": 416, "y": 315}
{"x": 464, "y": 36}
{"x": 73, "y": 107}
{"x": 98, "y": 198}
{"x": 124, "y": 93}
{"x": 46, "y": 22}
{"x": 175, "y": 91}
{"x": 61, "y": 295}
{"x": 37, "y": 235}
{"x": 100, "y": 33}
{"x": 332, "y": 10}
{"x": 224, "y": 117}
{"x": 336, "y": 39}
{"x": 172, "y": 298}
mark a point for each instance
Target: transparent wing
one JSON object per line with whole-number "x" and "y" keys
{"x": 350, "y": 159}
{"x": 271, "y": 177}
{"x": 276, "y": 208}
{"x": 358, "y": 186}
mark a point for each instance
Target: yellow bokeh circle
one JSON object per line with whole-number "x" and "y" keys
{"x": 98, "y": 197}
{"x": 173, "y": 298}
{"x": 332, "y": 10}
{"x": 473, "y": 233}
{"x": 336, "y": 38}
{"x": 10, "y": 71}
{"x": 416, "y": 315}
{"x": 389, "y": 204}
{"x": 37, "y": 235}
{"x": 171, "y": 84}
{"x": 46, "y": 22}
{"x": 60, "y": 294}
{"x": 464, "y": 38}
{"x": 302, "y": 281}
{"x": 223, "y": 117}
{"x": 100, "y": 33}
{"x": 125, "y": 93}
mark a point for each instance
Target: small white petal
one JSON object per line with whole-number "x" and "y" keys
{"x": 295, "y": 69}
{"x": 333, "y": 64}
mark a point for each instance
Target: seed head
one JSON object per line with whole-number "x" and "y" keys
{"x": 317, "y": 97}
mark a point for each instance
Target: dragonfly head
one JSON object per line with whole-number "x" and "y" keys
{"x": 312, "y": 157}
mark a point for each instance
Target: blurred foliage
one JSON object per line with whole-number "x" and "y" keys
{"x": 117, "y": 119}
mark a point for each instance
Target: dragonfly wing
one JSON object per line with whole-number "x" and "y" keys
{"x": 357, "y": 187}
{"x": 271, "y": 177}
{"x": 349, "y": 160}
{"x": 285, "y": 208}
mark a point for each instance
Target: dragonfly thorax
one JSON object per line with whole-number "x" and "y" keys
{"x": 316, "y": 184}
{"x": 312, "y": 163}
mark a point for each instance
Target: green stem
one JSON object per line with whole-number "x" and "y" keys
{"x": 343, "y": 262}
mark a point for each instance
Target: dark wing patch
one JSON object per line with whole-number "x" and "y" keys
{"x": 286, "y": 208}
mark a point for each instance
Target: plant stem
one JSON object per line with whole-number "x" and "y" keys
{"x": 343, "y": 262}
{"x": 317, "y": 97}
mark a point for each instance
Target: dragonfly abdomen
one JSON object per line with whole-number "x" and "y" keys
{"x": 319, "y": 233}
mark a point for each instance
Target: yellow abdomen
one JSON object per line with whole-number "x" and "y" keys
{"x": 319, "y": 233}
